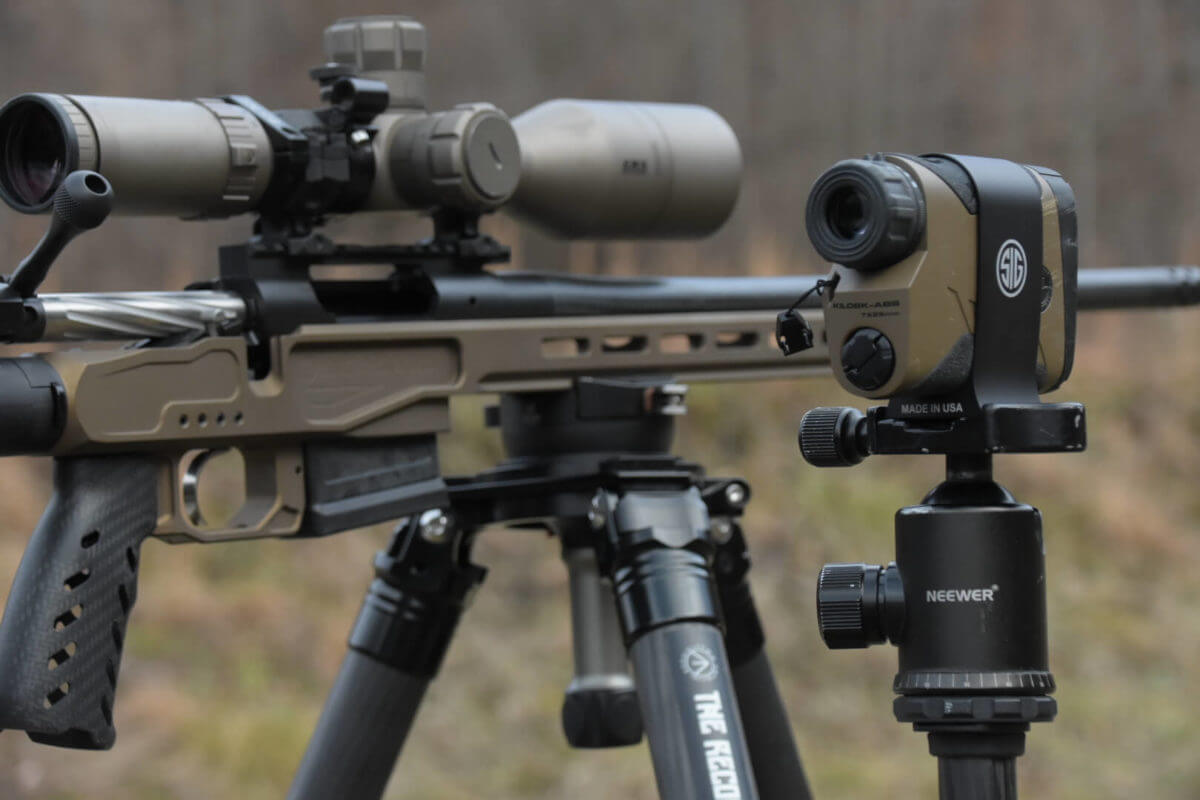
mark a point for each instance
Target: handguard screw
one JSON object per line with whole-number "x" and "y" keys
{"x": 596, "y": 513}
{"x": 721, "y": 530}
{"x": 434, "y": 525}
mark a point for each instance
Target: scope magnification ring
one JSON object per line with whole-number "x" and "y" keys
{"x": 865, "y": 214}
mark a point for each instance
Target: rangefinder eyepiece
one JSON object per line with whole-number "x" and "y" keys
{"x": 865, "y": 214}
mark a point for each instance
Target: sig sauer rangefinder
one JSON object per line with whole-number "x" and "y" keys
{"x": 911, "y": 238}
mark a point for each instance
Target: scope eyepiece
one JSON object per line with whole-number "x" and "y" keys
{"x": 865, "y": 214}
{"x": 38, "y": 149}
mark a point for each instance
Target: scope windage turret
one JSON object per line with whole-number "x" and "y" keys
{"x": 581, "y": 169}
{"x": 903, "y": 233}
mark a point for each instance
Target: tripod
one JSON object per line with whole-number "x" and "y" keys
{"x": 658, "y": 578}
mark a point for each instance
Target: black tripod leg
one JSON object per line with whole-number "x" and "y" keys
{"x": 660, "y": 554}
{"x": 778, "y": 772}
{"x": 423, "y": 582}
{"x": 362, "y": 728}
{"x": 690, "y": 712}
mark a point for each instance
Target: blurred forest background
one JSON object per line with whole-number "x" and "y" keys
{"x": 232, "y": 647}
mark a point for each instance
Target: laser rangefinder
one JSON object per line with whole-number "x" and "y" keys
{"x": 912, "y": 238}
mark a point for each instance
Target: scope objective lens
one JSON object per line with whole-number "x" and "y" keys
{"x": 35, "y": 153}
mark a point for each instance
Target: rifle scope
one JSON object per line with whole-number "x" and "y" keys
{"x": 578, "y": 168}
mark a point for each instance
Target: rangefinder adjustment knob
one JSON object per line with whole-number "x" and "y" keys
{"x": 868, "y": 359}
{"x": 833, "y": 437}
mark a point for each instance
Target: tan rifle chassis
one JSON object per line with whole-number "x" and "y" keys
{"x": 369, "y": 380}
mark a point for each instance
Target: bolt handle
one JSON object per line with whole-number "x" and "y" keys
{"x": 82, "y": 202}
{"x": 833, "y": 437}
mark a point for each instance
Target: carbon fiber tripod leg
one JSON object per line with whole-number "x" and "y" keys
{"x": 660, "y": 565}
{"x": 778, "y": 772}
{"x": 403, "y": 631}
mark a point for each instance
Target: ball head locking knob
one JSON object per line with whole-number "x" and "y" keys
{"x": 859, "y": 605}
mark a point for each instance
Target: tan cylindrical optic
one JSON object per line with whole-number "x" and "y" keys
{"x": 201, "y": 158}
{"x": 580, "y": 169}
{"x": 594, "y": 169}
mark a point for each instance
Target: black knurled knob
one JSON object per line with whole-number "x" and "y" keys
{"x": 842, "y": 605}
{"x": 833, "y": 437}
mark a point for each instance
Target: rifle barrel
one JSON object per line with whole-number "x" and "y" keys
{"x": 1138, "y": 287}
{"x": 162, "y": 315}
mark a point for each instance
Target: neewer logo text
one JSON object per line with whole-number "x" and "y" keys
{"x": 961, "y": 595}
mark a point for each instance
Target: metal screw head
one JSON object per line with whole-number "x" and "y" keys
{"x": 435, "y": 525}
{"x": 597, "y": 515}
{"x": 735, "y": 494}
{"x": 721, "y": 530}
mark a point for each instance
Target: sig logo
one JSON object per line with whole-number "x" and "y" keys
{"x": 635, "y": 166}
{"x": 1011, "y": 268}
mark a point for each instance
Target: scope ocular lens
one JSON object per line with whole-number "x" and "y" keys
{"x": 34, "y": 153}
{"x": 865, "y": 214}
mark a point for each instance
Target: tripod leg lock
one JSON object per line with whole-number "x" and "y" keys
{"x": 424, "y": 582}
